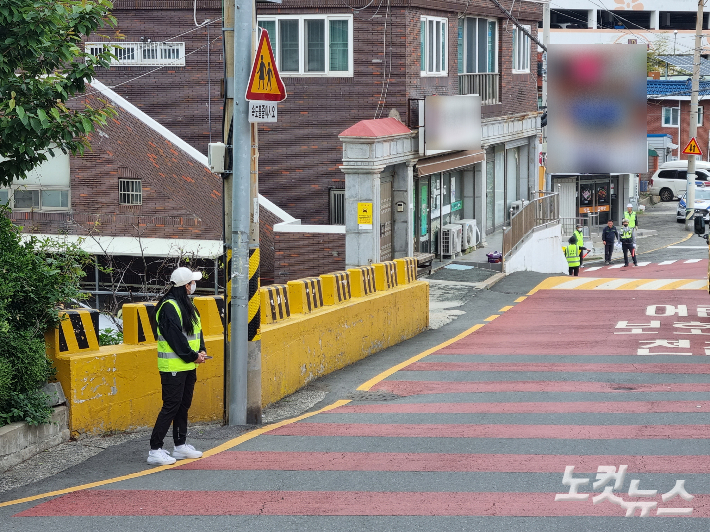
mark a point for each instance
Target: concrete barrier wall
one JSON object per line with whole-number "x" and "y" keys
{"x": 310, "y": 327}
{"x": 541, "y": 251}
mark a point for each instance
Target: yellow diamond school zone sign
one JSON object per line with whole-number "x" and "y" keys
{"x": 265, "y": 83}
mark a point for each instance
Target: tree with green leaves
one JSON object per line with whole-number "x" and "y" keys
{"x": 42, "y": 65}
{"x": 38, "y": 279}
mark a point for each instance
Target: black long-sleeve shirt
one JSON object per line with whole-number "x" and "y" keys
{"x": 610, "y": 234}
{"x": 171, "y": 328}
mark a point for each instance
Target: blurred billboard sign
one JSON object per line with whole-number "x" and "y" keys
{"x": 452, "y": 123}
{"x": 596, "y": 109}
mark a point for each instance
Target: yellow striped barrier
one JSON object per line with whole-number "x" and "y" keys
{"x": 406, "y": 270}
{"x": 363, "y": 280}
{"x": 385, "y": 275}
{"x": 336, "y": 288}
{"x": 305, "y": 295}
{"x": 274, "y": 303}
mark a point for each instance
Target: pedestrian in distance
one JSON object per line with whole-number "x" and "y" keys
{"x": 580, "y": 242}
{"x": 181, "y": 346}
{"x": 572, "y": 255}
{"x": 609, "y": 236}
{"x": 627, "y": 243}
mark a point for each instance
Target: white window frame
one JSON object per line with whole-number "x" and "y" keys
{"x": 701, "y": 113}
{"x": 40, "y": 189}
{"x": 302, "y": 72}
{"x": 138, "y": 56}
{"x": 425, "y": 69}
{"x": 664, "y": 123}
{"x": 130, "y": 193}
{"x": 465, "y": 45}
{"x": 521, "y": 56}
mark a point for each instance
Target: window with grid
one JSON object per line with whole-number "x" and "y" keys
{"x": 125, "y": 53}
{"x": 671, "y": 116}
{"x": 478, "y": 38}
{"x": 130, "y": 192}
{"x": 311, "y": 44}
{"x": 142, "y": 53}
{"x": 521, "y": 50}
{"x": 434, "y": 46}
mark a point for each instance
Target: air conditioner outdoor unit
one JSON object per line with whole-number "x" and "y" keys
{"x": 451, "y": 239}
{"x": 468, "y": 236}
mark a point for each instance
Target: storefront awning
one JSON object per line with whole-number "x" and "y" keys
{"x": 652, "y": 153}
{"x": 449, "y": 161}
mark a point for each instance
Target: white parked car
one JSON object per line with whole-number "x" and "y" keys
{"x": 702, "y": 205}
{"x": 669, "y": 181}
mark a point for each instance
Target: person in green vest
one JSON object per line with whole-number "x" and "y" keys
{"x": 572, "y": 255}
{"x": 580, "y": 242}
{"x": 627, "y": 242}
{"x": 181, "y": 346}
{"x": 630, "y": 215}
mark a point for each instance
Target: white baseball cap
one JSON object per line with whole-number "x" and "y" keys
{"x": 182, "y": 276}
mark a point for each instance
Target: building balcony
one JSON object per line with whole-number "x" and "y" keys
{"x": 486, "y": 85}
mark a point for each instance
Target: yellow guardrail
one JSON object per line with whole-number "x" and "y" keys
{"x": 310, "y": 327}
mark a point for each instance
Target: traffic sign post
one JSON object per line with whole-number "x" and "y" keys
{"x": 265, "y": 82}
{"x": 692, "y": 148}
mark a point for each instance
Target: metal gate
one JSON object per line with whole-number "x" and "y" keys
{"x": 386, "y": 218}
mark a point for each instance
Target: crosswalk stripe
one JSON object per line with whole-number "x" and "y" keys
{"x": 644, "y": 263}
{"x": 593, "y": 269}
{"x": 657, "y": 284}
{"x": 611, "y": 285}
{"x": 667, "y": 262}
{"x": 574, "y": 283}
{"x": 616, "y": 266}
{"x": 675, "y": 285}
{"x": 695, "y": 285}
{"x": 691, "y": 261}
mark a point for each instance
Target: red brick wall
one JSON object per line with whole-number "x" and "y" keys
{"x": 181, "y": 198}
{"x": 299, "y": 255}
{"x": 654, "y": 119}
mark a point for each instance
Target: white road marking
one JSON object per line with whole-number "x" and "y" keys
{"x": 687, "y": 247}
{"x": 695, "y": 285}
{"x": 574, "y": 283}
{"x": 592, "y": 269}
{"x": 666, "y": 262}
{"x": 655, "y": 285}
{"x": 691, "y": 261}
{"x": 611, "y": 285}
{"x": 644, "y": 263}
{"x": 616, "y": 266}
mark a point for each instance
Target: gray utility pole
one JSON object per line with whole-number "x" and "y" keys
{"x": 244, "y": 13}
{"x": 690, "y": 187}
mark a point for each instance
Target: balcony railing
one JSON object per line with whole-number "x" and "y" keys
{"x": 141, "y": 53}
{"x": 537, "y": 213}
{"x": 486, "y": 85}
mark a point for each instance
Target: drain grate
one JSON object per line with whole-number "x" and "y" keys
{"x": 373, "y": 396}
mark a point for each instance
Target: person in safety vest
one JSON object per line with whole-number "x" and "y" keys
{"x": 630, "y": 215}
{"x": 181, "y": 346}
{"x": 580, "y": 242}
{"x": 572, "y": 256}
{"x": 627, "y": 242}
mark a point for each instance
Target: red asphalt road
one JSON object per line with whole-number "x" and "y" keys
{"x": 583, "y": 322}
{"x": 151, "y": 503}
{"x": 551, "y": 322}
{"x": 469, "y": 463}
{"x": 677, "y": 270}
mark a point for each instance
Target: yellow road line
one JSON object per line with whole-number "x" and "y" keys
{"x": 521, "y": 299}
{"x": 394, "y": 369}
{"x": 505, "y": 309}
{"x": 675, "y": 284}
{"x": 491, "y": 318}
{"x": 664, "y": 247}
{"x": 227, "y": 445}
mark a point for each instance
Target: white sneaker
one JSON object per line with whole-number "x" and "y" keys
{"x": 186, "y": 451}
{"x": 160, "y": 457}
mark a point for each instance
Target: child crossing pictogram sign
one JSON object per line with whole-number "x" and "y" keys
{"x": 265, "y": 83}
{"x": 692, "y": 148}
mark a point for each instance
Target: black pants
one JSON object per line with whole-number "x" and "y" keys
{"x": 574, "y": 270}
{"x": 581, "y": 256}
{"x": 628, "y": 247}
{"x": 608, "y": 249}
{"x": 177, "y": 398}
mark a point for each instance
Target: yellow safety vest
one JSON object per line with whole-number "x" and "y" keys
{"x": 580, "y": 238}
{"x": 572, "y": 254}
{"x": 168, "y": 360}
{"x": 627, "y": 234}
{"x": 631, "y": 217}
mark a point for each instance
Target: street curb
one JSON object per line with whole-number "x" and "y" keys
{"x": 488, "y": 283}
